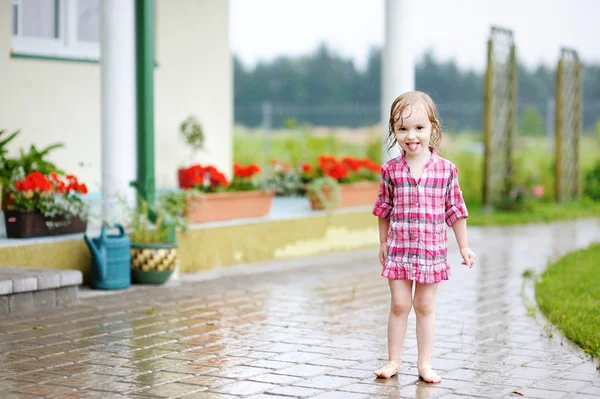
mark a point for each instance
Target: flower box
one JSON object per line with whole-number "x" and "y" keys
{"x": 208, "y": 207}
{"x": 31, "y": 223}
{"x": 358, "y": 194}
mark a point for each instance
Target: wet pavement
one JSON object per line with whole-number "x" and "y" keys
{"x": 307, "y": 328}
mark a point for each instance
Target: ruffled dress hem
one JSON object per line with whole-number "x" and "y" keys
{"x": 424, "y": 274}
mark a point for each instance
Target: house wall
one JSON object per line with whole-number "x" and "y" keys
{"x": 59, "y": 101}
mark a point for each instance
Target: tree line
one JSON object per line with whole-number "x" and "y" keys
{"x": 323, "y": 88}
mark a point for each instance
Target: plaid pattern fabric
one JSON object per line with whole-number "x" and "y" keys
{"x": 419, "y": 211}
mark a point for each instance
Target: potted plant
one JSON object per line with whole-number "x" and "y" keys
{"x": 154, "y": 247}
{"x": 323, "y": 193}
{"x": 27, "y": 162}
{"x": 211, "y": 197}
{"x": 358, "y": 178}
{"x": 42, "y": 205}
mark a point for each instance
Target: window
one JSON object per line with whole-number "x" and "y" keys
{"x": 88, "y": 21}
{"x": 56, "y": 28}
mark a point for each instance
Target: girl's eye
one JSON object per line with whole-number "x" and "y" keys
{"x": 420, "y": 128}
{"x": 402, "y": 129}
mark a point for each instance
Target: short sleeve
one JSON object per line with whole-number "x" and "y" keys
{"x": 385, "y": 197}
{"x": 455, "y": 204}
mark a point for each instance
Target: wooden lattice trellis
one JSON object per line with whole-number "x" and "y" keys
{"x": 499, "y": 115}
{"x": 567, "y": 125}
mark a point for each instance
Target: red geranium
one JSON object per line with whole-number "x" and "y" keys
{"x": 348, "y": 169}
{"x": 243, "y": 177}
{"x": 245, "y": 171}
{"x": 39, "y": 191}
{"x": 332, "y": 167}
{"x": 203, "y": 178}
{"x": 352, "y": 163}
{"x": 34, "y": 181}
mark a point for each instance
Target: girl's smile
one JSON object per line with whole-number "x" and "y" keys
{"x": 413, "y": 131}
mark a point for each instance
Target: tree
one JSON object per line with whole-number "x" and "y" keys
{"x": 324, "y": 88}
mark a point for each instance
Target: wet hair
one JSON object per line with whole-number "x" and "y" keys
{"x": 409, "y": 99}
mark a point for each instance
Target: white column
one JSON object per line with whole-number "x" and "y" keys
{"x": 119, "y": 120}
{"x": 397, "y": 59}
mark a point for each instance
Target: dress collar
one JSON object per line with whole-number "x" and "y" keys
{"x": 432, "y": 159}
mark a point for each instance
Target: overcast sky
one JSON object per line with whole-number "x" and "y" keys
{"x": 265, "y": 29}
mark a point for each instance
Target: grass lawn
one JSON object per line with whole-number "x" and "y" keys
{"x": 541, "y": 212}
{"x": 569, "y": 295}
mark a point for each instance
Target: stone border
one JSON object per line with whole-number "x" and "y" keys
{"x": 23, "y": 289}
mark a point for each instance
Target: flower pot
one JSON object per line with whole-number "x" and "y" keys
{"x": 150, "y": 276}
{"x": 153, "y": 263}
{"x": 358, "y": 194}
{"x": 228, "y": 205}
{"x": 25, "y": 223}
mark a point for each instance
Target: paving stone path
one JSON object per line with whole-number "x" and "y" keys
{"x": 316, "y": 329}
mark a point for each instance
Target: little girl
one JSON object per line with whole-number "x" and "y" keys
{"x": 419, "y": 194}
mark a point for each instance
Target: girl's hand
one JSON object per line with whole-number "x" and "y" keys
{"x": 468, "y": 257}
{"x": 382, "y": 253}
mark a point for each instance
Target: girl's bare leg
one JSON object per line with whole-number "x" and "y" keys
{"x": 400, "y": 308}
{"x": 424, "y": 304}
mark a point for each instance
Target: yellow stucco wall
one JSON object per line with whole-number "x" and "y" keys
{"x": 277, "y": 239}
{"x": 203, "y": 248}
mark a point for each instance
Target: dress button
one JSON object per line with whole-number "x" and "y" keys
{"x": 417, "y": 204}
{"x": 414, "y": 271}
{"x": 414, "y": 256}
{"x": 417, "y": 239}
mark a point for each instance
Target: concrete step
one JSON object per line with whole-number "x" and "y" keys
{"x": 25, "y": 289}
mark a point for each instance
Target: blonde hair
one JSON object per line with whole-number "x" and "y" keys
{"x": 409, "y": 99}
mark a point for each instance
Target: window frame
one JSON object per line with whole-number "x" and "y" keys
{"x": 66, "y": 46}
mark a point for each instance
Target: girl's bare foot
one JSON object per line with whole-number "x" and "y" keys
{"x": 428, "y": 375}
{"x": 389, "y": 370}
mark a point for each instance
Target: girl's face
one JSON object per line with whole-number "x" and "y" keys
{"x": 413, "y": 131}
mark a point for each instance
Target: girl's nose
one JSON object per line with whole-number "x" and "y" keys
{"x": 411, "y": 134}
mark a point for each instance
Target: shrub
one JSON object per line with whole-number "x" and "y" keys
{"x": 591, "y": 185}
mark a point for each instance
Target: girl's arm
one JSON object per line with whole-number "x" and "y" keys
{"x": 384, "y": 227}
{"x": 383, "y": 209}
{"x": 460, "y": 231}
{"x": 456, "y": 216}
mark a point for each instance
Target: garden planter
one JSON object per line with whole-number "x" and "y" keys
{"x": 153, "y": 263}
{"x": 358, "y": 194}
{"x": 210, "y": 207}
{"x": 31, "y": 223}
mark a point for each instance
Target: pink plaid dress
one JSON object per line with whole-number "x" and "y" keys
{"x": 417, "y": 243}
